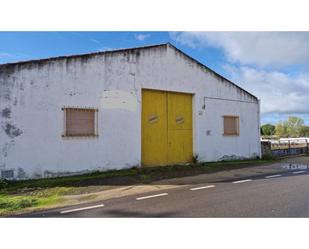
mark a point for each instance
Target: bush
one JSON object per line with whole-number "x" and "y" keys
{"x": 3, "y": 184}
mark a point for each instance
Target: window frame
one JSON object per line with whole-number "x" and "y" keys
{"x": 236, "y": 134}
{"x": 94, "y": 110}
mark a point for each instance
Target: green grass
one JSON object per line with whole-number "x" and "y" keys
{"x": 76, "y": 180}
{"x": 39, "y": 198}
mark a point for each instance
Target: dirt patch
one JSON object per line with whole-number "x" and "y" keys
{"x": 115, "y": 193}
{"x": 296, "y": 159}
{"x": 6, "y": 113}
{"x": 87, "y": 198}
{"x": 12, "y": 131}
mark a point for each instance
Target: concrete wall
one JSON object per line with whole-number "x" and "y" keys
{"x": 32, "y": 95}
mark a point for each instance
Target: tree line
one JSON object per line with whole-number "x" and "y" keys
{"x": 292, "y": 127}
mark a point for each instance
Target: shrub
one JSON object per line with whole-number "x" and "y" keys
{"x": 3, "y": 184}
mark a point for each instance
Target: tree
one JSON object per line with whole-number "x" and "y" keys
{"x": 268, "y": 130}
{"x": 294, "y": 126}
{"x": 281, "y": 129}
{"x": 304, "y": 131}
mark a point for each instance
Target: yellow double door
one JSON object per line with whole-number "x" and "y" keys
{"x": 166, "y": 128}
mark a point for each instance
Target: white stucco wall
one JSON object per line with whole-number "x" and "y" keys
{"x": 32, "y": 95}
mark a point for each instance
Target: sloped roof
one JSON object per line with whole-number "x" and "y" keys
{"x": 7, "y": 65}
{"x": 84, "y": 55}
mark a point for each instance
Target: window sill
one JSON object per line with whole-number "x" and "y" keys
{"x": 230, "y": 135}
{"x": 79, "y": 136}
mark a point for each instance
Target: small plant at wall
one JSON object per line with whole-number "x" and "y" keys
{"x": 195, "y": 158}
{"x": 270, "y": 156}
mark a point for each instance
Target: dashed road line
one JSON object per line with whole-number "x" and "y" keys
{"x": 165, "y": 194}
{"x": 150, "y": 196}
{"x": 81, "y": 209}
{"x": 272, "y": 176}
{"x": 298, "y": 172}
{"x": 204, "y": 187}
{"x": 241, "y": 181}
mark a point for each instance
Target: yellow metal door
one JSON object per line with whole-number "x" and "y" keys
{"x": 179, "y": 128}
{"x": 166, "y": 128}
{"x": 154, "y": 128}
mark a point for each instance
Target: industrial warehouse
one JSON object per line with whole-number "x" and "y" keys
{"x": 137, "y": 107}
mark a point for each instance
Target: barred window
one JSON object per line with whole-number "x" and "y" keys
{"x": 80, "y": 122}
{"x": 231, "y": 125}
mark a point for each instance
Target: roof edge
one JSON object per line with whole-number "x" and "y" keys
{"x": 211, "y": 70}
{"x": 82, "y": 55}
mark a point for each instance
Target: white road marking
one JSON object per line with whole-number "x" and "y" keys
{"x": 204, "y": 187}
{"x": 241, "y": 181}
{"x": 298, "y": 172}
{"x": 151, "y": 196}
{"x": 81, "y": 209}
{"x": 272, "y": 176}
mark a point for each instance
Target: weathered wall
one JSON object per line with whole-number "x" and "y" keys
{"x": 32, "y": 95}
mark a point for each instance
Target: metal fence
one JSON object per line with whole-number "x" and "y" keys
{"x": 281, "y": 147}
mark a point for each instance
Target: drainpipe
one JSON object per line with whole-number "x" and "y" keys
{"x": 259, "y": 128}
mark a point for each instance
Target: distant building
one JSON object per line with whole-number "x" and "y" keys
{"x": 143, "y": 106}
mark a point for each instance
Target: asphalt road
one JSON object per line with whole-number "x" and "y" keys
{"x": 285, "y": 194}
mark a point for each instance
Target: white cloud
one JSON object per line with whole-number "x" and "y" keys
{"x": 254, "y": 61}
{"x": 279, "y": 92}
{"x": 142, "y": 37}
{"x": 6, "y": 55}
{"x": 257, "y": 48}
{"x": 96, "y": 41}
{"x": 102, "y": 49}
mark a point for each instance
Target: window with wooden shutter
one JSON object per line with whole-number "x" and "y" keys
{"x": 79, "y": 122}
{"x": 231, "y": 125}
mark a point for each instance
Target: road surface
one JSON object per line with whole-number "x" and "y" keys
{"x": 280, "y": 194}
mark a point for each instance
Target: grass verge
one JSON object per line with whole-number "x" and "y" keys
{"x": 10, "y": 203}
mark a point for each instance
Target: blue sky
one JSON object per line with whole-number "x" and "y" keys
{"x": 271, "y": 65}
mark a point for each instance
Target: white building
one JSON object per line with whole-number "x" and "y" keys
{"x": 99, "y": 111}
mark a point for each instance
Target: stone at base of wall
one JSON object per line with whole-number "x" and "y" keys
{"x": 236, "y": 157}
{"x": 21, "y": 174}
